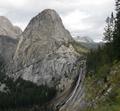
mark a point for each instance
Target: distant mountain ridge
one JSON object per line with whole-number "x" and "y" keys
{"x": 84, "y": 39}
{"x": 8, "y": 29}
{"x": 9, "y": 35}
{"x": 87, "y": 42}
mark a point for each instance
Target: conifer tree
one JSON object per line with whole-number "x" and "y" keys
{"x": 108, "y": 34}
{"x": 116, "y": 35}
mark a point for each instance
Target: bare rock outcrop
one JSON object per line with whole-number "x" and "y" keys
{"x": 44, "y": 52}
{"x": 9, "y": 35}
{"x": 45, "y": 55}
{"x": 7, "y": 48}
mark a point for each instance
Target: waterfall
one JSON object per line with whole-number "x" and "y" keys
{"x": 74, "y": 99}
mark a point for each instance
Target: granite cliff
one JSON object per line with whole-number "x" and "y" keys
{"x": 44, "y": 54}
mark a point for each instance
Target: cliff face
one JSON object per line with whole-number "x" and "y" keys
{"x": 8, "y": 39}
{"x": 44, "y": 35}
{"x": 7, "y": 48}
{"x": 45, "y": 55}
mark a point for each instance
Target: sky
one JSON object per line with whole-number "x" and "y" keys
{"x": 80, "y": 17}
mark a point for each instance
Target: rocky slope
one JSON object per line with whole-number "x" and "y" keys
{"x": 7, "y": 29}
{"x": 45, "y": 55}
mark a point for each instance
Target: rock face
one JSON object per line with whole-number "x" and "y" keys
{"x": 7, "y": 48}
{"x": 42, "y": 50}
{"x": 73, "y": 97}
{"x": 7, "y": 29}
{"x": 44, "y": 34}
{"x": 45, "y": 55}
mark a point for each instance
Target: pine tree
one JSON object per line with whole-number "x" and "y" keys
{"x": 116, "y": 36}
{"x": 108, "y": 34}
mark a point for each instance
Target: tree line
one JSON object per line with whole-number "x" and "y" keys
{"x": 110, "y": 51}
{"x": 21, "y": 93}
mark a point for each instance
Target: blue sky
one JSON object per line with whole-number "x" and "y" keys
{"x": 80, "y": 17}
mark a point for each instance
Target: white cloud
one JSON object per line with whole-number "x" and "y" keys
{"x": 74, "y": 20}
{"x": 83, "y": 17}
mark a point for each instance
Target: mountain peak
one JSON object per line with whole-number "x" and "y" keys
{"x": 4, "y": 21}
{"x": 4, "y": 18}
{"x": 8, "y": 29}
{"x": 46, "y": 25}
{"x": 44, "y": 34}
{"x": 50, "y": 14}
{"x": 49, "y": 11}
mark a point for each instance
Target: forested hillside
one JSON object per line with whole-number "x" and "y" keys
{"x": 103, "y": 69}
{"x": 21, "y": 94}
